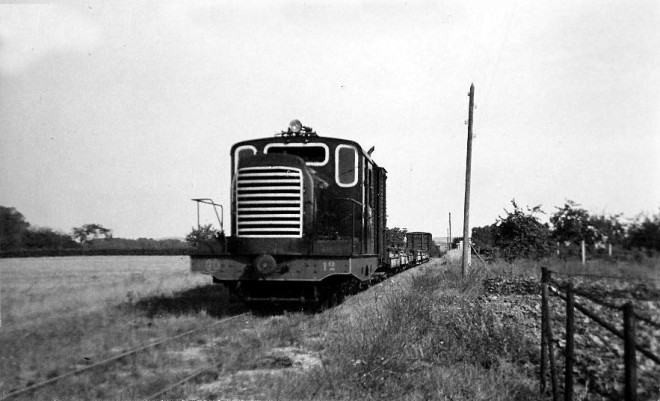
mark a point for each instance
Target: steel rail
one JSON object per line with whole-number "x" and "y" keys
{"x": 112, "y": 359}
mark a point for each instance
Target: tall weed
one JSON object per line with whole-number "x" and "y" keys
{"x": 405, "y": 341}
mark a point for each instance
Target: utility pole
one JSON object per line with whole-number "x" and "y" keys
{"x": 468, "y": 169}
{"x": 447, "y": 242}
{"x": 449, "y": 239}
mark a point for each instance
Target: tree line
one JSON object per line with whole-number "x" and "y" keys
{"x": 19, "y": 238}
{"x": 521, "y": 234}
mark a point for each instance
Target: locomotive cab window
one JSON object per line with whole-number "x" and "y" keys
{"x": 242, "y": 152}
{"x": 312, "y": 154}
{"x": 346, "y": 166}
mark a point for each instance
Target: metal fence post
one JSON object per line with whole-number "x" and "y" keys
{"x": 570, "y": 346}
{"x": 629, "y": 352}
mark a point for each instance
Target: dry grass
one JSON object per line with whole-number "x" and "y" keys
{"x": 427, "y": 336}
{"x": 37, "y": 289}
{"x": 424, "y": 334}
{"x": 60, "y": 314}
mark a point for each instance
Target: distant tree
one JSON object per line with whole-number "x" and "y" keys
{"x": 572, "y": 225}
{"x": 89, "y": 232}
{"x": 136, "y": 244}
{"x": 46, "y": 238}
{"x": 644, "y": 232}
{"x": 484, "y": 237}
{"x": 395, "y": 237}
{"x": 13, "y": 227}
{"x": 608, "y": 228}
{"x": 521, "y": 235}
{"x": 202, "y": 233}
{"x": 484, "y": 240}
{"x": 172, "y": 243}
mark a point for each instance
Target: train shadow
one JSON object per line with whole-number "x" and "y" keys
{"x": 211, "y": 298}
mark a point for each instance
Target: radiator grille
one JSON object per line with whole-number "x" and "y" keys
{"x": 269, "y": 202}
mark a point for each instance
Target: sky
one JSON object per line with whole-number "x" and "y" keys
{"x": 119, "y": 113}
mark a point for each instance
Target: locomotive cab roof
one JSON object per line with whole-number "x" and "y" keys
{"x": 299, "y": 136}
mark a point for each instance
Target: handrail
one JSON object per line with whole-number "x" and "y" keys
{"x": 209, "y": 201}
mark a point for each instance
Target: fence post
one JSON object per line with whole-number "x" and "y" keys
{"x": 544, "y": 339}
{"x": 570, "y": 346}
{"x": 548, "y": 335}
{"x": 629, "y": 352}
{"x": 583, "y": 252}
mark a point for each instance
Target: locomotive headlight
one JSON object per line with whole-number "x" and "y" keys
{"x": 295, "y": 126}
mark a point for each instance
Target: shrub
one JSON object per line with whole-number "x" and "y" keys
{"x": 644, "y": 232}
{"x": 201, "y": 234}
{"x": 522, "y": 235}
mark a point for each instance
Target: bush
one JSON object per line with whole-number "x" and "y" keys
{"x": 644, "y": 233}
{"x": 202, "y": 233}
{"x": 522, "y": 235}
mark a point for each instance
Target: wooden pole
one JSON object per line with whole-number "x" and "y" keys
{"x": 630, "y": 361}
{"x": 545, "y": 310}
{"x": 551, "y": 354}
{"x": 448, "y": 242}
{"x": 583, "y": 252}
{"x": 570, "y": 344}
{"x": 468, "y": 170}
{"x": 449, "y": 230}
{"x": 545, "y": 277}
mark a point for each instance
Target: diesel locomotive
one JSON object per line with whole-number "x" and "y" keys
{"x": 308, "y": 220}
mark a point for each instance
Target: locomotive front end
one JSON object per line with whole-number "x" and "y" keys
{"x": 305, "y": 218}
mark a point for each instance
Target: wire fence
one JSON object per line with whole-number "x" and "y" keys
{"x": 606, "y": 276}
{"x": 630, "y": 318}
{"x": 590, "y": 297}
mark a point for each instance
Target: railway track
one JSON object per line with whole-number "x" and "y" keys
{"x": 105, "y": 362}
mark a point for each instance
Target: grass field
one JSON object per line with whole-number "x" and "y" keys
{"x": 36, "y": 289}
{"x": 427, "y": 333}
{"x": 59, "y": 313}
